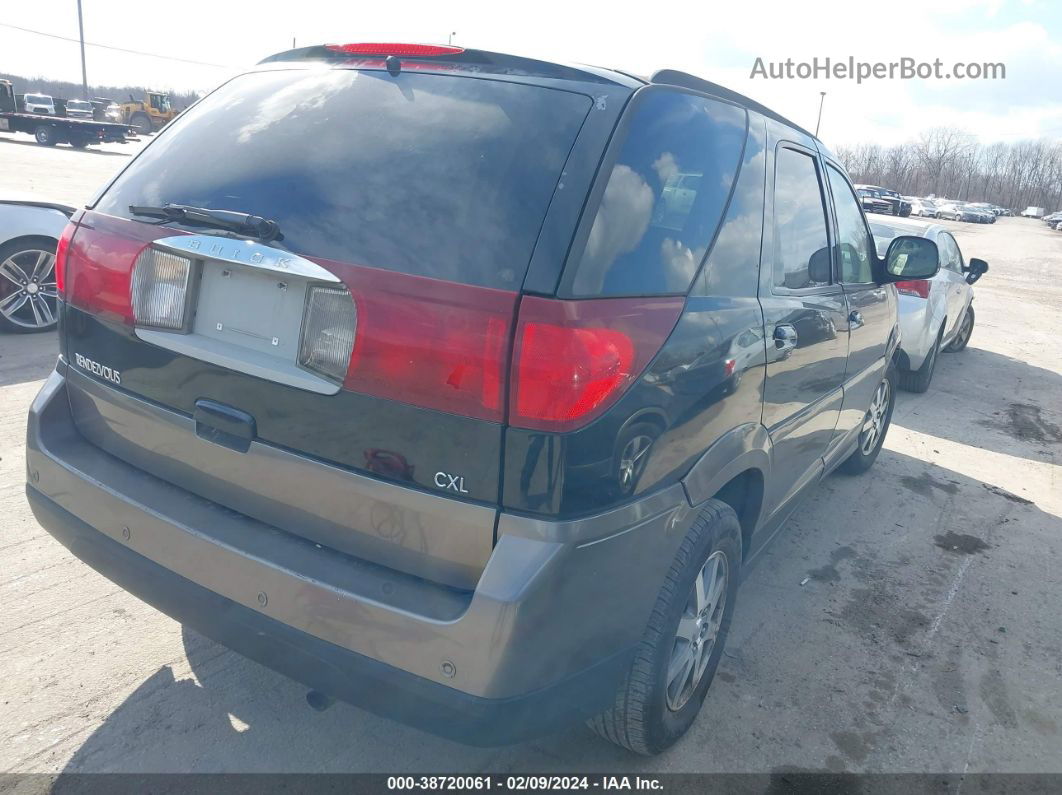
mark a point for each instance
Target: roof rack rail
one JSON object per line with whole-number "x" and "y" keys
{"x": 673, "y": 77}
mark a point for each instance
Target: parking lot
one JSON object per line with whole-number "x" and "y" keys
{"x": 906, "y": 621}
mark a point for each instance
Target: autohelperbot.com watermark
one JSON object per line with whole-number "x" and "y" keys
{"x": 851, "y": 69}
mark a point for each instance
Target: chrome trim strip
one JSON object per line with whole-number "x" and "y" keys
{"x": 245, "y": 252}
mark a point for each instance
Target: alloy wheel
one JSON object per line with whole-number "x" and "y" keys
{"x": 27, "y": 289}
{"x": 698, "y": 630}
{"x": 874, "y": 424}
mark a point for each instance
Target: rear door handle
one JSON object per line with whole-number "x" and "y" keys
{"x": 855, "y": 319}
{"x": 785, "y": 338}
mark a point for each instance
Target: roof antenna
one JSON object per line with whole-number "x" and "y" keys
{"x": 394, "y": 66}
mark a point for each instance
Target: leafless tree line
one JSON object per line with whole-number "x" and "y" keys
{"x": 950, "y": 163}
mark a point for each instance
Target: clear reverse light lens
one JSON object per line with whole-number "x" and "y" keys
{"x": 160, "y": 289}
{"x": 328, "y": 331}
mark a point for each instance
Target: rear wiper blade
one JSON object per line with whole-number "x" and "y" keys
{"x": 264, "y": 229}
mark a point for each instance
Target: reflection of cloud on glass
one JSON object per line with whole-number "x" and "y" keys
{"x": 619, "y": 226}
{"x": 679, "y": 262}
{"x": 666, "y": 167}
{"x": 309, "y": 93}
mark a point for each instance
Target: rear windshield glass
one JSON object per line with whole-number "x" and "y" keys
{"x": 432, "y": 175}
{"x": 38, "y": 99}
{"x": 664, "y": 198}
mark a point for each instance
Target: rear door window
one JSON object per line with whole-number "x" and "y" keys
{"x": 801, "y": 247}
{"x": 664, "y": 198}
{"x": 432, "y": 175}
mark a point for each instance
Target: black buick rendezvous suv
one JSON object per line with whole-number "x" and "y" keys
{"x": 461, "y": 386}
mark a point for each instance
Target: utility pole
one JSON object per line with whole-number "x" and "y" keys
{"x": 81, "y": 33}
{"x": 822, "y": 98}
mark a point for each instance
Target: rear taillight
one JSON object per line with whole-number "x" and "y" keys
{"x": 160, "y": 289}
{"x": 573, "y": 359}
{"x": 919, "y": 287}
{"x": 328, "y": 328}
{"x": 432, "y": 343}
{"x": 98, "y": 266}
{"x": 60, "y": 257}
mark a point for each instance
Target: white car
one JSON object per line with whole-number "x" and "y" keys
{"x": 29, "y": 232}
{"x": 923, "y": 207}
{"x": 39, "y": 103}
{"x": 935, "y": 314}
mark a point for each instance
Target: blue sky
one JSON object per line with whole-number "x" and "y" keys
{"x": 719, "y": 41}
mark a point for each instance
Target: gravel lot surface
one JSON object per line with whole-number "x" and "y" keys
{"x": 928, "y": 636}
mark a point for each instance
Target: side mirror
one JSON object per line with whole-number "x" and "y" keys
{"x": 975, "y": 270}
{"x": 911, "y": 257}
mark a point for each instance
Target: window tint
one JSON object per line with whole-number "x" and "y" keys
{"x": 950, "y": 257}
{"x": 801, "y": 253}
{"x": 664, "y": 196}
{"x": 853, "y": 243}
{"x": 432, "y": 175}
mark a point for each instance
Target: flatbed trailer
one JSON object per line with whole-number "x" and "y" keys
{"x": 52, "y": 130}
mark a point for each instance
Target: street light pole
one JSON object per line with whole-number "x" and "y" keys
{"x": 81, "y": 33}
{"x": 450, "y": 38}
{"x": 822, "y": 98}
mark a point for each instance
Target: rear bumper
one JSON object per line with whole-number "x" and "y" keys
{"x": 542, "y": 641}
{"x": 379, "y": 688}
{"x": 918, "y": 329}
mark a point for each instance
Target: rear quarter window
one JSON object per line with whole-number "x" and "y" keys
{"x": 432, "y": 175}
{"x": 665, "y": 193}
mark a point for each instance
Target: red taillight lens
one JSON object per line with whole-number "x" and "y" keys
{"x": 60, "y": 258}
{"x": 403, "y": 50}
{"x": 428, "y": 342}
{"x": 919, "y": 287}
{"x": 98, "y": 265}
{"x": 574, "y": 359}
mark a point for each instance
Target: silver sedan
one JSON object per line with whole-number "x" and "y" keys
{"x": 29, "y": 233}
{"x": 935, "y": 314}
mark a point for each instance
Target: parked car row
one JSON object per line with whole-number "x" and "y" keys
{"x": 1054, "y": 220}
{"x": 471, "y": 451}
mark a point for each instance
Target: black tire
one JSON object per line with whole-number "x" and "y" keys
{"x": 863, "y": 459}
{"x": 80, "y": 143}
{"x": 141, "y": 122}
{"x": 919, "y": 380}
{"x": 45, "y": 135}
{"x": 641, "y": 719}
{"x": 962, "y": 338}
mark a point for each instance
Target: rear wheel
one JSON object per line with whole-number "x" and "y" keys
{"x": 45, "y": 135}
{"x": 919, "y": 380}
{"x": 27, "y": 285}
{"x": 674, "y": 665}
{"x": 962, "y": 339}
{"x": 875, "y": 426}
